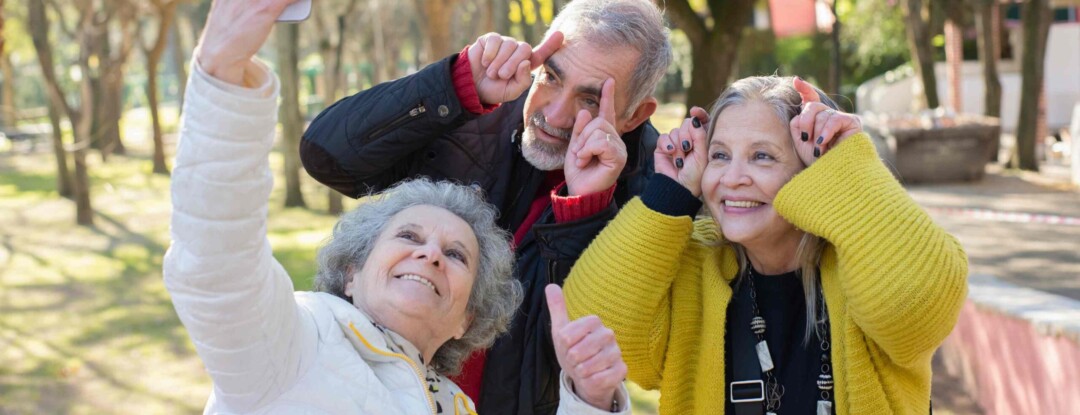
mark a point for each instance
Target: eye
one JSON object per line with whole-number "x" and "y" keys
{"x": 590, "y": 102}
{"x": 761, "y": 155}
{"x": 457, "y": 255}
{"x": 408, "y": 236}
{"x": 719, "y": 155}
{"x": 546, "y": 76}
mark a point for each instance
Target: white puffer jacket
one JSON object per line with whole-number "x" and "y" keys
{"x": 268, "y": 349}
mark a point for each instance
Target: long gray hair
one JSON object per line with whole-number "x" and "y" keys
{"x": 780, "y": 94}
{"x": 637, "y": 24}
{"x": 495, "y": 294}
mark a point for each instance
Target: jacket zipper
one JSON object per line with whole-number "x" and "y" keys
{"x": 397, "y": 122}
{"x": 416, "y": 370}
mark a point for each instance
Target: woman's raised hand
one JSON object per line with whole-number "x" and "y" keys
{"x": 235, "y": 30}
{"x": 819, "y": 128}
{"x": 587, "y": 352}
{"x": 683, "y": 153}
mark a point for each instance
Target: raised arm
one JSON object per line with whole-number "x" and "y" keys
{"x": 375, "y": 138}
{"x": 234, "y": 299}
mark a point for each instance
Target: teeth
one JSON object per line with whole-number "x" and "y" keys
{"x": 742, "y": 203}
{"x": 422, "y": 280}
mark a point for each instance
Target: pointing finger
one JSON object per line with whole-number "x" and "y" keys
{"x": 544, "y": 51}
{"x": 806, "y": 91}
{"x": 607, "y": 101}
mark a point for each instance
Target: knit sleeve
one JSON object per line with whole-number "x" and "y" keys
{"x": 903, "y": 277}
{"x": 625, "y": 278}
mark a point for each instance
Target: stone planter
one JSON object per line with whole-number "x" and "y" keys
{"x": 938, "y": 150}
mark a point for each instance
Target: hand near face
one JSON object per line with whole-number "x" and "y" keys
{"x": 596, "y": 154}
{"x": 235, "y": 30}
{"x": 501, "y": 65}
{"x": 683, "y": 153}
{"x": 822, "y": 127}
{"x": 587, "y": 352}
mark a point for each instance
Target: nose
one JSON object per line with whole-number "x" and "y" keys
{"x": 429, "y": 252}
{"x": 734, "y": 175}
{"x": 560, "y": 112}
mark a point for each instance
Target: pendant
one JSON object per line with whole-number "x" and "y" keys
{"x": 770, "y": 413}
{"x": 763, "y": 356}
{"x": 824, "y": 408}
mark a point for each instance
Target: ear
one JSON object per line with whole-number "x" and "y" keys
{"x": 465, "y": 324}
{"x": 351, "y": 272}
{"x": 643, "y": 111}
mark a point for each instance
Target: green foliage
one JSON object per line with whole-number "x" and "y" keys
{"x": 874, "y": 38}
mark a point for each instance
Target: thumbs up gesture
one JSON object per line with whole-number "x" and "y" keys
{"x": 597, "y": 154}
{"x": 587, "y": 352}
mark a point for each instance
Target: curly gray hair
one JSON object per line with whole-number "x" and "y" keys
{"x": 495, "y": 294}
{"x": 638, "y": 24}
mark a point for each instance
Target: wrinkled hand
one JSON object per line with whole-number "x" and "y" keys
{"x": 597, "y": 154}
{"x": 682, "y": 154}
{"x": 587, "y": 352}
{"x": 822, "y": 127}
{"x": 501, "y": 65}
{"x": 235, "y": 30}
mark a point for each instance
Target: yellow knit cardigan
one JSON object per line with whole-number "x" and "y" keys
{"x": 894, "y": 283}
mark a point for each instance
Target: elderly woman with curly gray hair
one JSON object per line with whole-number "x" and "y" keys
{"x": 410, "y": 283}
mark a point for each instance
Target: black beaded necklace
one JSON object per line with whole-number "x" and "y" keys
{"x": 773, "y": 389}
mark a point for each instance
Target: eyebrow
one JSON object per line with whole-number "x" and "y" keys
{"x": 583, "y": 89}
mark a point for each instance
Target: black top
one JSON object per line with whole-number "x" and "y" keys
{"x": 783, "y": 306}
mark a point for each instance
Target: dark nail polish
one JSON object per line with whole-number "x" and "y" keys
{"x": 805, "y": 137}
{"x": 820, "y": 139}
{"x": 817, "y": 151}
{"x": 697, "y": 124}
{"x": 685, "y": 146}
{"x": 670, "y": 147}
{"x": 678, "y": 163}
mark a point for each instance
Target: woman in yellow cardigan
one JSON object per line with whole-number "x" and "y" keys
{"x": 817, "y": 285}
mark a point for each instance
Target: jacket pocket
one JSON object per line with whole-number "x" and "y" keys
{"x": 397, "y": 122}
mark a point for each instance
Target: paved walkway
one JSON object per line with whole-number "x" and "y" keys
{"x": 1022, "y": 228}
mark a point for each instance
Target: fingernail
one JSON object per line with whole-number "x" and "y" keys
{"x": 805, "y": 136}
{"x": 817, "y": 151}
{"x": 697, "y": 124}
{"x": 820, "y": 139}
{"x": 670, "y": 147}
{"x": 678, "y": 163}
{"x": 685, "y": 146}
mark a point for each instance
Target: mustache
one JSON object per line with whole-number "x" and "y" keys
{"x": 537, "y": 119}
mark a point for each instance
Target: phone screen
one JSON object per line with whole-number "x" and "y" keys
{"x": 296, "y": 12}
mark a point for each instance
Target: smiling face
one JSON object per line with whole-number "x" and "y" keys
{"x": 418, "y": 277}
{"x": 570, "y": 81}
{"x": 750, "y": 158}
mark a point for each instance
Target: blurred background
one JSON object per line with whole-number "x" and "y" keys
{"x": 975, "y": 105}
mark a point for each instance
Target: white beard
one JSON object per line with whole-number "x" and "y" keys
{"x": 541, "y": 154}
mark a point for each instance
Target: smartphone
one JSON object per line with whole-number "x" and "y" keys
{"x": 296, "y": 12}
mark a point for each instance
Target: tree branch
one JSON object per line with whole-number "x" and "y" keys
{"x": 687, "y": 19}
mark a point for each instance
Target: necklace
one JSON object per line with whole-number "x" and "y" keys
{"x": 773, "y": 389}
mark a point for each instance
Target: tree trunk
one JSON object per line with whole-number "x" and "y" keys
{"x": 81, "y": 118}
{"x": 63, "y": 175}
{"x": 7, "y": 113}
{"x": 918, "y": 39}
{"x": 179, "y": 60}
{"x": 836, "y": 69}
{"x": 288, "y": 40}
{"x": 989, "y": 52}
{"x": 713, "y": 50}
{"x": 166, "y": 15}
{"x": 1036, "y": 16}
{"x": 500, "y": 10}
{"x": 436, "y": 17}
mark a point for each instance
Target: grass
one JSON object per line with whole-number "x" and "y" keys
{"x": 86, "y": 326}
